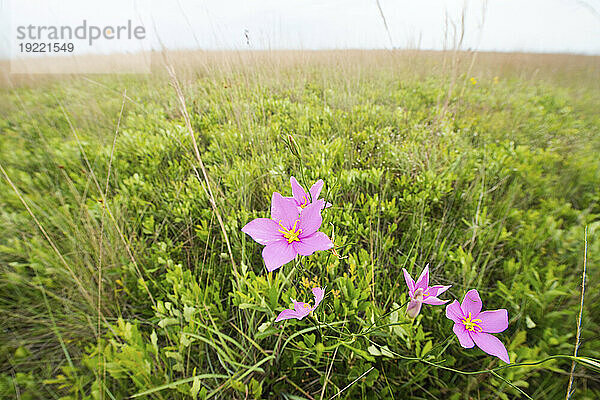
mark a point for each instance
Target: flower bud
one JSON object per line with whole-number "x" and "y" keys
{"x": 293, "y": 146}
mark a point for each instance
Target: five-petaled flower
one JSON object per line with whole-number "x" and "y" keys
{"x": 473, "y": 327}
{"x": 301, "y": 310}
{"x": 421, "y": 292}
{"x": 288, "y": 232}
{"x": 303, "y": 199}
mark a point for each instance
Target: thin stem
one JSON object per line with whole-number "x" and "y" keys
{"x": 569, "y": 392}
{"x": 352, "y": 383}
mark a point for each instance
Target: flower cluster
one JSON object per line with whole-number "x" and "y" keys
{"x": 293, "y": 230}
{"x": 471, "y": 326}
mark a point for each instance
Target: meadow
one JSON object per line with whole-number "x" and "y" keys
{"x": 124, "y": 272}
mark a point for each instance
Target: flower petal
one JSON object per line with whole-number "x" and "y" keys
{"x": 409, "y": 281}
{"x": 414, "y": 308}
{"x": 423, "y": 281}
{"x": 454, "y": 312}
{"x": 293, "y": 200}
{"x": 300, "y": 306}
{"x": 298, "y": 192}
{"x": 315, "y": 190}
{"x": 437, "y": 290}
{"x": 493, "y": 321}
{"x": 310, "y": 220}
{"x": 284, "y": 210}
{"x": 315, "y": 242}
{"x": 321, "y": 203}
{"x": 319, "y": 294}
{"x": 491, "y": 345}
{"x": 263, "y": 230}
{"x": 286, "y": 314}
{"x": 471, "y": 303}
{"x": 463, "y": 336}
{"x": 278, "y": 253}
{"x": 434, "y": 301}
{"x": 302, "y": 309}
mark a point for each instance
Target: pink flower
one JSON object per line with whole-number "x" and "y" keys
{"x": 300, "y": 309}
{"x": 288, "y": 233}
{"x": 420, "y": 292}
{"x": 473, "y": 327}
{"x": 302, "y": 198}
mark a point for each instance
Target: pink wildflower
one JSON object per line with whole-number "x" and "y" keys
{"x": 473, "y": 327}
{"x": 288, "y": 232}
{"x": 421, "y": 293}
{"x": 301, "y": 310}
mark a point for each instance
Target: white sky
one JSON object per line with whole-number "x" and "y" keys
{"x": 509, "y": 25}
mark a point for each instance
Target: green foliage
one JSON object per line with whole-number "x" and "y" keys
{"x": 494, "y": 191}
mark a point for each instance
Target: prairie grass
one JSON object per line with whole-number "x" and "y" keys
{"x": 116, "y": 278}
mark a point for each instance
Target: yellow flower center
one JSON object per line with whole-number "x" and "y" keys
{"x": 305, "y": 305}
{"x": 290, "y": 234}
{"x": 471, "y": 325}
{"x": 304, "y": 203}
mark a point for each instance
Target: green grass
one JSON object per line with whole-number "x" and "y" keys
{"x": 116, "y": 279}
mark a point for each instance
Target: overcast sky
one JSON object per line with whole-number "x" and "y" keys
{"x": 504, "y": 25}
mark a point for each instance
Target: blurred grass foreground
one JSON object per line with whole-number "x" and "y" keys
{"x": 124, "y": 273}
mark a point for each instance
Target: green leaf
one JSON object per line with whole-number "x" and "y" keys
{"x": 374, "y": 351}
{"x": 154, "y": 340}
{"x": 529, "y": 322}
{"x": 264, "y": 326}
{"x": 195, "y": 387}
{"x": 385, "y": 351}
{"x": 360, "y": 353}
{"x": 428, "y": 346}
{"x": 309, "y": 340}
{"x": 167, "y": 322}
